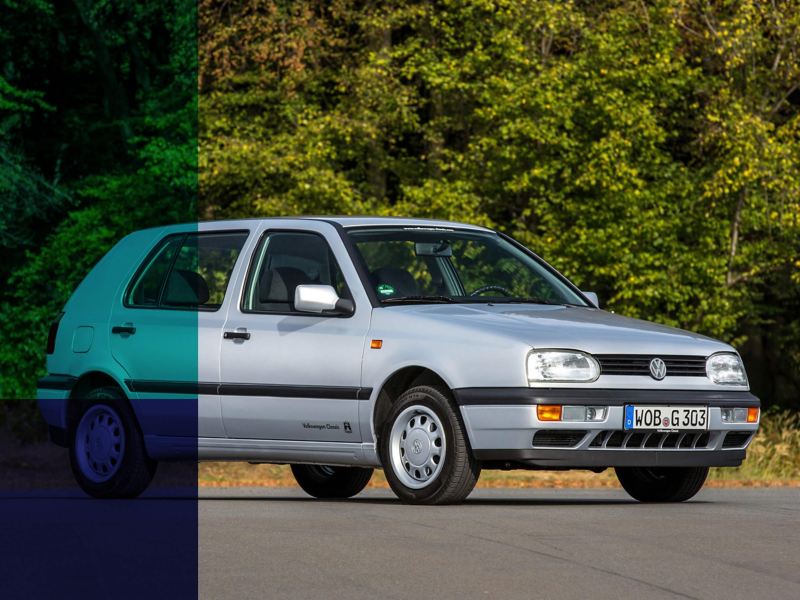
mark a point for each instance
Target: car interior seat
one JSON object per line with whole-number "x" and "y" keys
{"x": 276, "y": 288}
{"x": 401, "y": 280}
{"x": 186, "y": 288}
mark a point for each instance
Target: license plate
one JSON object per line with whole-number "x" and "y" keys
{"x": 666, "y": 418}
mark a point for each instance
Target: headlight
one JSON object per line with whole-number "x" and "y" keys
{"x": 561, "y": 365}
{"x": 726, "y": 369}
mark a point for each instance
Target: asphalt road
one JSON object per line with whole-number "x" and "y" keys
{"x": 595, "y": 544}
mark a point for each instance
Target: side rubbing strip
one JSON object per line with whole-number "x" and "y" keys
{"x": 56, "y": 382}
{"x": 289, "y": 391}
{"x": 171, "y": 387}
{"x": 249, "y": 389}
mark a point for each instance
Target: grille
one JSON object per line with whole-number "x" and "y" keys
{"x": 736, "y": 439}
{"x": 565, "y": 438}
{"x": 655, "y": 439}
{"x": 639, "y": 364}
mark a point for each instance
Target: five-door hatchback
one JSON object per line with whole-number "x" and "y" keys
{"x": 430, "y": 349}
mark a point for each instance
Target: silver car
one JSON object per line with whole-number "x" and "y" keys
{"x": 430, "y": 349}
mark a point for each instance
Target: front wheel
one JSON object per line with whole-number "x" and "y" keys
{"x": 662, "y": 484}
{"x": 322, "y": 481}
{"x": 424, "y": 449}
{"x": 107, "y": 453}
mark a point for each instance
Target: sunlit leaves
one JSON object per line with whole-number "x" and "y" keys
{"x": 616, "y": 139}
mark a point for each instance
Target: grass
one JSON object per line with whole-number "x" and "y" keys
{"x": 773, "y": 459}
{"x": 774, "y": 454}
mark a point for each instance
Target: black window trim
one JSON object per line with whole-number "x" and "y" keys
{"x": 358, "y": 262}
{"x": 153, "y": 253}
{"x": 251, "y": 264}
{"x": 561, "y": 277}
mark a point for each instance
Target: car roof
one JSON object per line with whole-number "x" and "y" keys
{"x": 367, "y": 221}
{"x": 344, "y": 221}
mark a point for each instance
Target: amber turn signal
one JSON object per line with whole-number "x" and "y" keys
{"x": 376, "y": 344}
{"x": 752, "y": 414}
{"x": 548, "y": 412}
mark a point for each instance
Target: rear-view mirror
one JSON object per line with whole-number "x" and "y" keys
{"x": 433, "y": 249}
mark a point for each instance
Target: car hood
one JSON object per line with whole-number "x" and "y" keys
{"x": 588, "y": 329}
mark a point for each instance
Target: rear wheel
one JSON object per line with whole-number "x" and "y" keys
{"x": 424, "y": 449}
{"x": 662, "y": 484}
{"x": 107, "y": 451}
{"x": 322, "y": 481}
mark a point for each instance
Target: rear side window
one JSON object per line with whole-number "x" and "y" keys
{"x": 147, "y": 289}
{"x": 284, "y": 260}
{"x": 188, "y": 271}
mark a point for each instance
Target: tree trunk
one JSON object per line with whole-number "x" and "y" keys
{"x": 735, "y": 225}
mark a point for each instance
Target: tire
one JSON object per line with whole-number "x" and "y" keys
{"x": 424, "y": 449}
{"x": 331, "y": 482}
{"x": 106, "y": 452}
{"x": 662, "y": 484}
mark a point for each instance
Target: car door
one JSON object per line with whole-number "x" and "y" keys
{"x": 287, "y": 375}
{"x": 166, "y": 331}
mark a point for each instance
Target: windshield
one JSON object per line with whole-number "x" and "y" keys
{"x": 431, "y": 264}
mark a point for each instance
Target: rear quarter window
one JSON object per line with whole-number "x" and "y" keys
{"x": 147, "y": 287}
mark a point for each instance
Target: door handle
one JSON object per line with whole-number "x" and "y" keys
{"x": 127, "y": 328}
{"x": 236, "y": 335}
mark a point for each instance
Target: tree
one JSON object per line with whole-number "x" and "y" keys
{"x": 649, "y": 150}
{"x": 101, "y": 142}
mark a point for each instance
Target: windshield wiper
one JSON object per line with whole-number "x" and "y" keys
{"x": 530, "y": 301}
{"x": 420, "y": 299}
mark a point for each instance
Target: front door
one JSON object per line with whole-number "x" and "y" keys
{"x": 287, "y": 375}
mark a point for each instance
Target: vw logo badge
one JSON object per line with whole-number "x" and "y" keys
{"x": 658, "y": 369}
{"x": 416, "y": 447}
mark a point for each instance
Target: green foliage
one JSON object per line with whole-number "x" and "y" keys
{"x": 117, "y": 156}
{"x": 649, "y": 150}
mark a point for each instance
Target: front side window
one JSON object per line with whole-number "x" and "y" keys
{"x": 418, "y": 264}
{"x": 284, "y": 260}
{"x": 189, "y": 271}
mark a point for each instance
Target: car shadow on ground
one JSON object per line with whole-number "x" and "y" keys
{"x": 192, "y": 495}
{"x": 517, "y": 501}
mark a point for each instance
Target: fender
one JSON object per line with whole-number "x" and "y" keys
{"x": 367, "y": 413}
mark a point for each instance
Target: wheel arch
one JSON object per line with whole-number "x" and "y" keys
{"x": 87, "y": 382}
{"x": 398, "y": 382}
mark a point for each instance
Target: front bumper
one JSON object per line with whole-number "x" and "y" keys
{"x": 502, "y": 426}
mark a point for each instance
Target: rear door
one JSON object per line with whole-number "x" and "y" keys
{"x": 287, "y": 375}
{"x": 166, "y": 330}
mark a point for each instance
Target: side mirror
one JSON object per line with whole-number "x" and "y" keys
{"x": 320, "y": 299}
{"x": 592, "y": 298}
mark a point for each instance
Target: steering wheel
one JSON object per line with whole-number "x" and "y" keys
{"x": 497, "y": 288}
